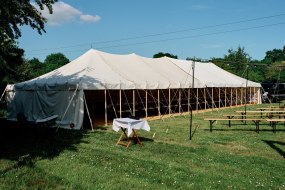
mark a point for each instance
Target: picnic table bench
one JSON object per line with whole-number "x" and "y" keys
{"x": 230, "y": 116}
{"x": 274, "y": 122}
{"x": 273, "y": 109}
{"x": 255, "y": 120}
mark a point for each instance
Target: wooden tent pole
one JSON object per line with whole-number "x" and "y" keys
{"x": 146, "y": 104}
{"x": 250, "y": 98}
{"x": 205, "y": 99}
{"x": 254, "y": 93}
{"x": 90, "y": 120}
{"x": 212, "y": 98}
{"x": 134, "y": 103}
{"x": 231, "y": 97}
{"x": 169, "y": 102}
{"x": 241, "y": 95}
{"x": 158, "y": 102}
{"x": 106, "y": 116}
{"x": 179, "y": 100}
{"x": 120, "y": 93}
{"x": 225, "y": 97}
{"x": 219, "y": 98}
{"x": 236, "y": 96}
{"x": 197, "y": 100}
{"x": 188, "y": 100}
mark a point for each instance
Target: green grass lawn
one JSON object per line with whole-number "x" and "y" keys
{"x": 227, "y": 158}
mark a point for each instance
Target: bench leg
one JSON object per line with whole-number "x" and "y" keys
{"x": 274, "y": 123}
{"x": 211, "y": 124}
{"x": 257, "y": 126}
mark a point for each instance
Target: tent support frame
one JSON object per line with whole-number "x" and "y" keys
{"x": 90, "y": 120}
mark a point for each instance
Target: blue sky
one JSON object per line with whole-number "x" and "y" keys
{"x": 186, "y": 28}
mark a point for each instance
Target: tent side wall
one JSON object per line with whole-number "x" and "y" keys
{"x": 105, "y": 105}
{"x": 40, "y": 104}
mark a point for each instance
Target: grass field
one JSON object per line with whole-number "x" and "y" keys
{"x": 227, "y": 158}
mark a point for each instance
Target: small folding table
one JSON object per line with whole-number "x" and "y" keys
{"x": 129, "y": 126}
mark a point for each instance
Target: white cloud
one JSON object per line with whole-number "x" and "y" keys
{"x": 90, "y": 18}
{"x": 63, "y": 13}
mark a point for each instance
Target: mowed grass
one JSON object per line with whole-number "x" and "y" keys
{"x": 227, "y": 158}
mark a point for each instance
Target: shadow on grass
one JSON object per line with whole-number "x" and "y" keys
{"x": 144, "y": 139}
{"x": 273, "y": 145}
{"x": 194, "y": 131}
{"x": 27, "y": 144}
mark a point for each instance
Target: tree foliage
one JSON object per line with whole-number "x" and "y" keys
{"x": 54, "y": 61}
{"x": 32, "y": 68}
{"x": 15, "y": 13}
{"x": 274, "y": 55}
{"x": 161, "y": 54}
{"x": 11, "y": 57}
{"x": 237, "y": 59}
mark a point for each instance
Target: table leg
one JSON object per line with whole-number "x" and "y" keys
{"x": 120, "y": 139}
{"x": 135, "y": 135}
{"x": 128, "y": 138}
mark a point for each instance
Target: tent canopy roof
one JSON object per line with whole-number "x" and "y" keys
{"x": 99, "y": 70}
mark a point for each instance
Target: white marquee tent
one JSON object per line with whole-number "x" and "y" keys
{"x": 62, "y": 91}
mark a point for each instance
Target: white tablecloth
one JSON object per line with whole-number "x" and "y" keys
{"x": 130, "y": 124}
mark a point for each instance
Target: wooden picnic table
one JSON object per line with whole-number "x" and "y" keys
{"x": 255, "y": 120}
{"x": 261, "y": 112}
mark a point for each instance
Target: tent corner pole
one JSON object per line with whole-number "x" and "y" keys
{"x": 90, "y": 120}
{"x": 3, "y": 93}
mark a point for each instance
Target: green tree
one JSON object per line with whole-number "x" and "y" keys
{"x": 10, "y": 58}
{"x": 31, "y": 68}
{"x": 274, "y": 55}
{"x": 161, "y": 54}
{"x": 237, "y": 59}
{"x": 257, "y": 71}
{"x": 14, "y": 14}
{"x": 54, "y": 61}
